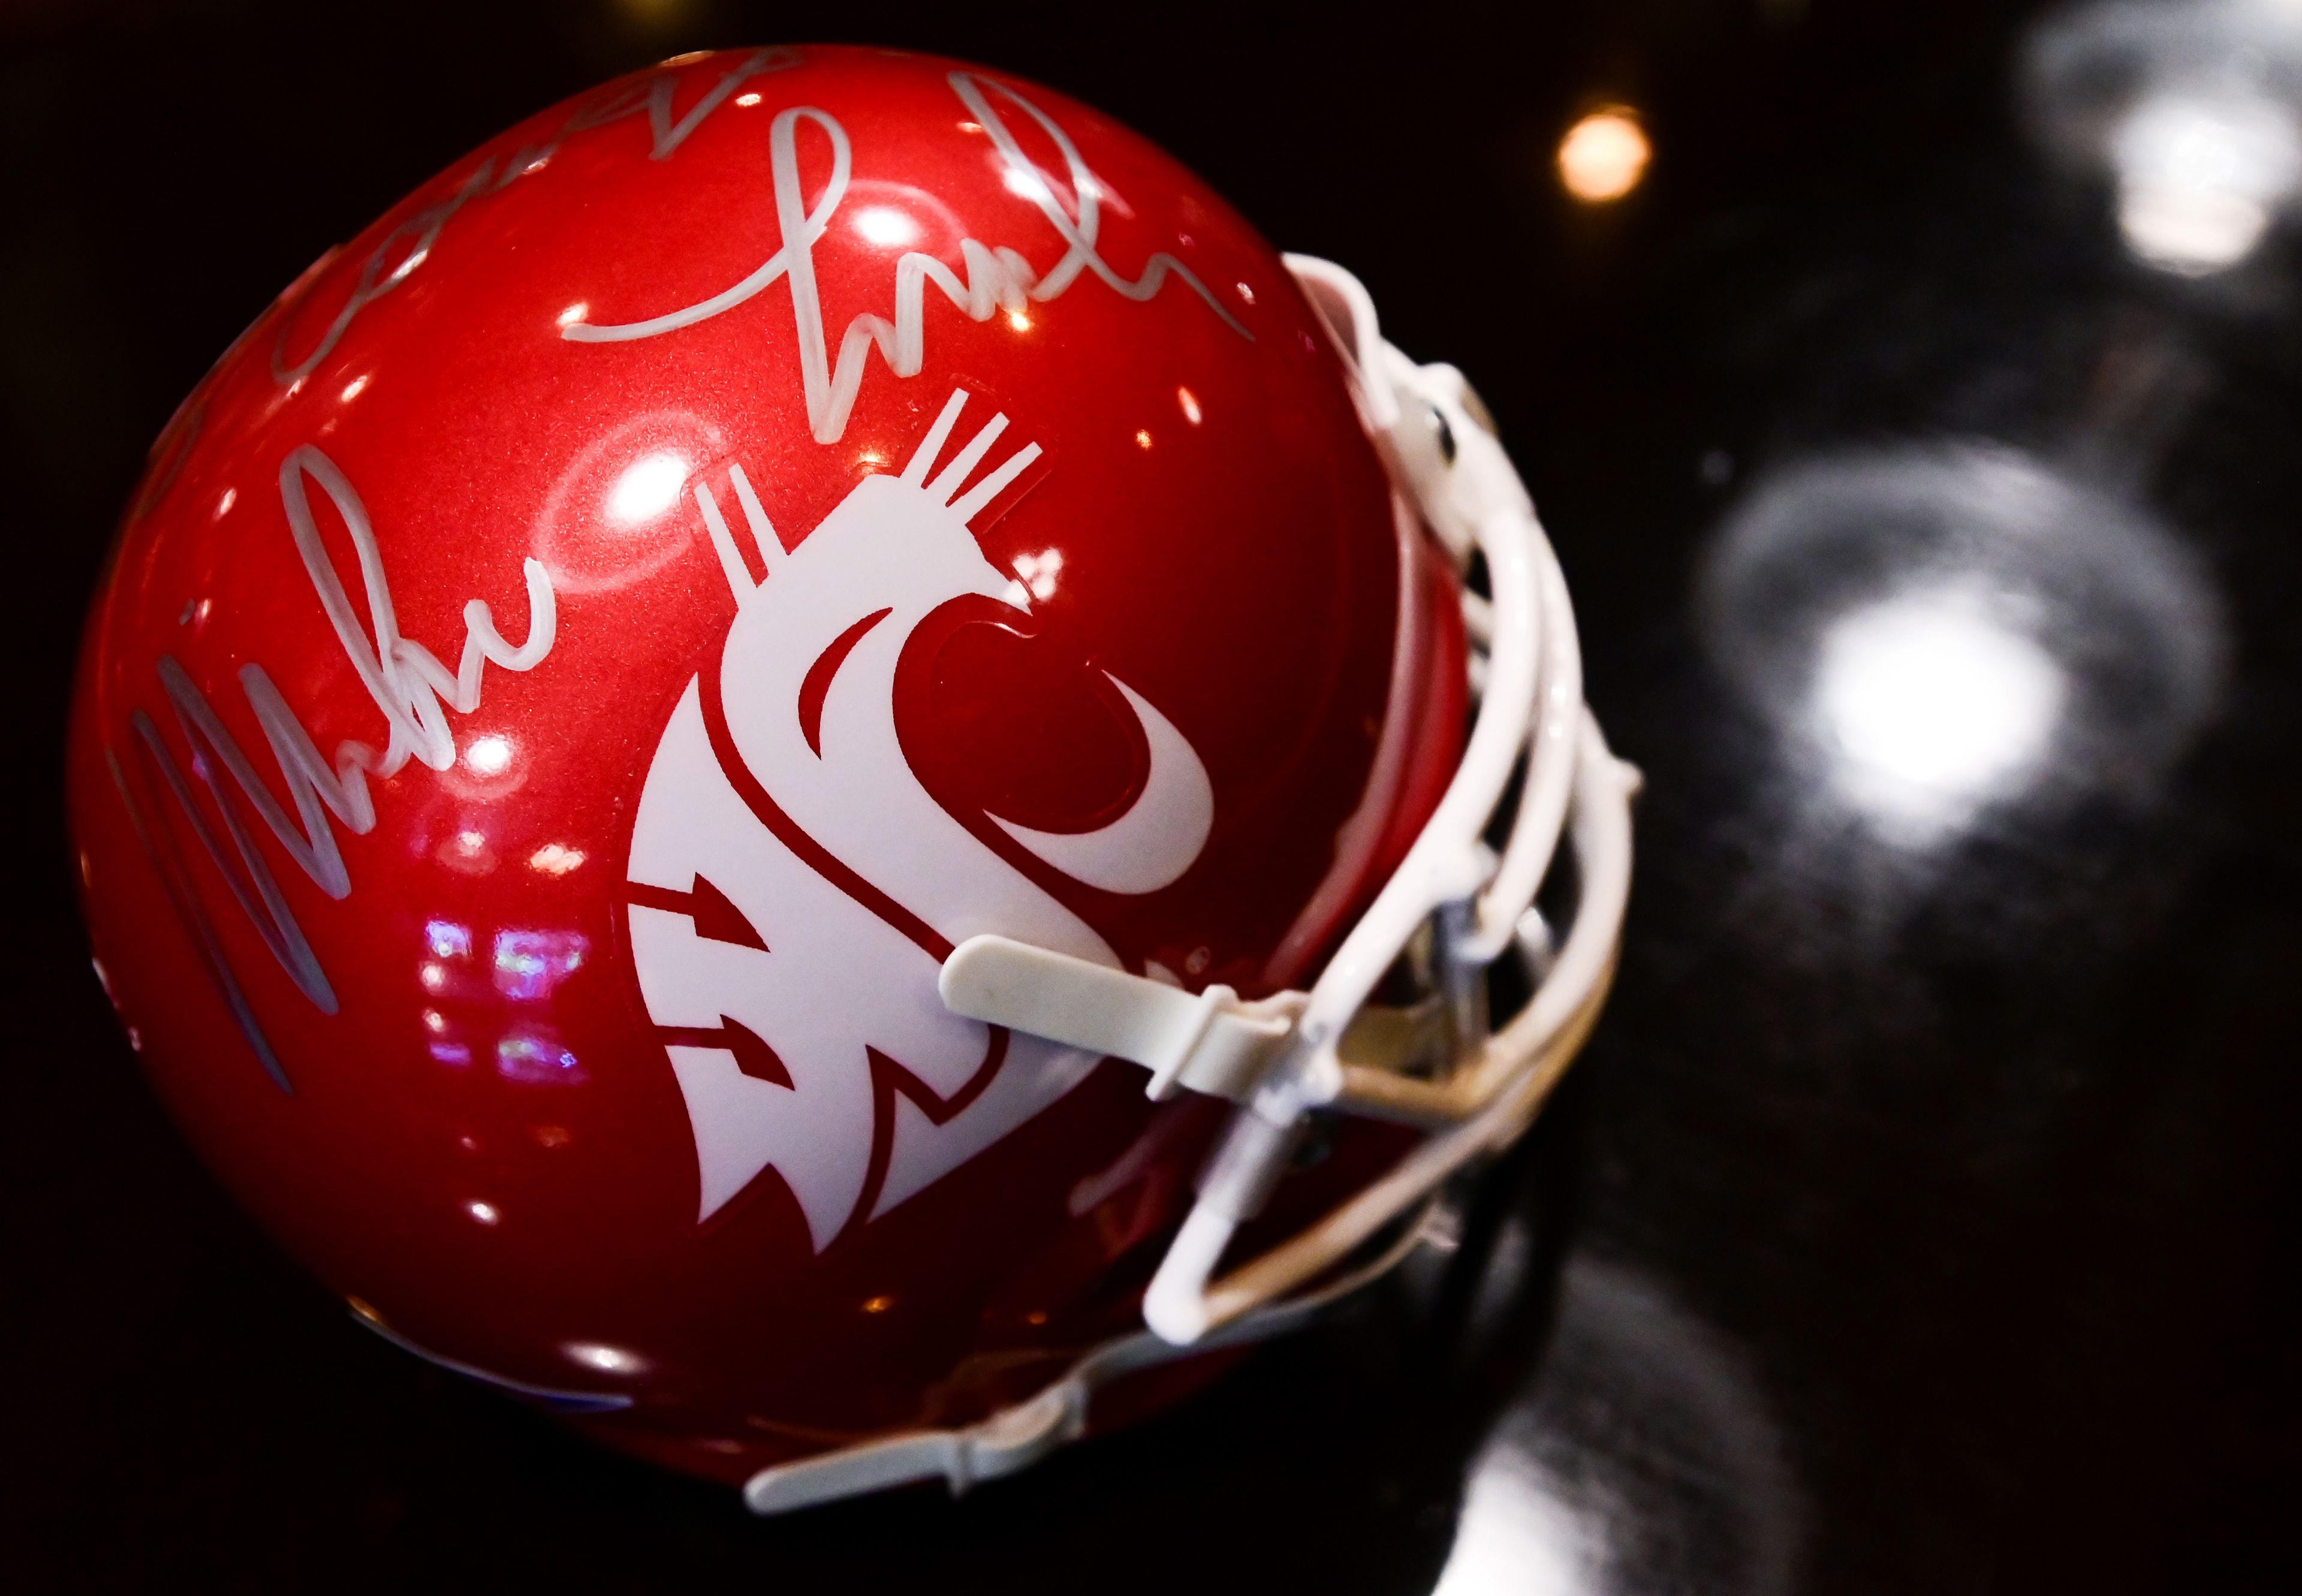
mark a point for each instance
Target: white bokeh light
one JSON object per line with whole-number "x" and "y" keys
{"x": 648, "y": 487}
{"x": 1932, "y": 703}
{"x": 1520, "y": 1536}
{"x": 2192, "y": 109}
{"x": 2200, "y": 181}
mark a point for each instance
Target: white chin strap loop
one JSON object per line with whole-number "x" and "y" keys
{"x": 1433, "y": 1065}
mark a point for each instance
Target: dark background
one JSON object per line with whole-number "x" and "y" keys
{"x": 1921, "y": 1219}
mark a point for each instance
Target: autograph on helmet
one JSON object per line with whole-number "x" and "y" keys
{"x": 997, "y": 279}
{"x": 408, "y": 685}
{"x": 991, "y": 279}
{"x": 406, "y": 247}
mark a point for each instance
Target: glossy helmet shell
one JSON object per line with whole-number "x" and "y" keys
{"x": 556, "y": 979}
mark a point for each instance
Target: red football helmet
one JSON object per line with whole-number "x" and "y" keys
{"x": 944, "y": 611}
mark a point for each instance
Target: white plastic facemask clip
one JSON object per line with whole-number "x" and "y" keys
{"x": 1213, "y": 1041}
{"x": 1012, "y": 1439}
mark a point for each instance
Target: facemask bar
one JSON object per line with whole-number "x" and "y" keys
{"x": 1284, "y": 1057}
{"x": 1445, "y": 459}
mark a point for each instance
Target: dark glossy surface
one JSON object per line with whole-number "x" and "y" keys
{"x": 1922, "y": 1218}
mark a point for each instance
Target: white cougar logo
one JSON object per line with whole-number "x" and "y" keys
{"x": 794, "y": 887}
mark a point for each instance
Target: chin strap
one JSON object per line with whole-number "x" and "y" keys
{"x": 1455, "y": 906}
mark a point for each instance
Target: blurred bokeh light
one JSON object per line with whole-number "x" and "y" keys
{"x": 1603, "y": 156}
{"x": 2190, "y": 109}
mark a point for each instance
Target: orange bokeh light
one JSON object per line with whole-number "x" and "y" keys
{"x": 1603, "y": 156}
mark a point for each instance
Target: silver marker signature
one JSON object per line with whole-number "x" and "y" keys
{"x": 995, "y": 279}
{"x": 407, "y": 681}
{"x": 409, "y": 244}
